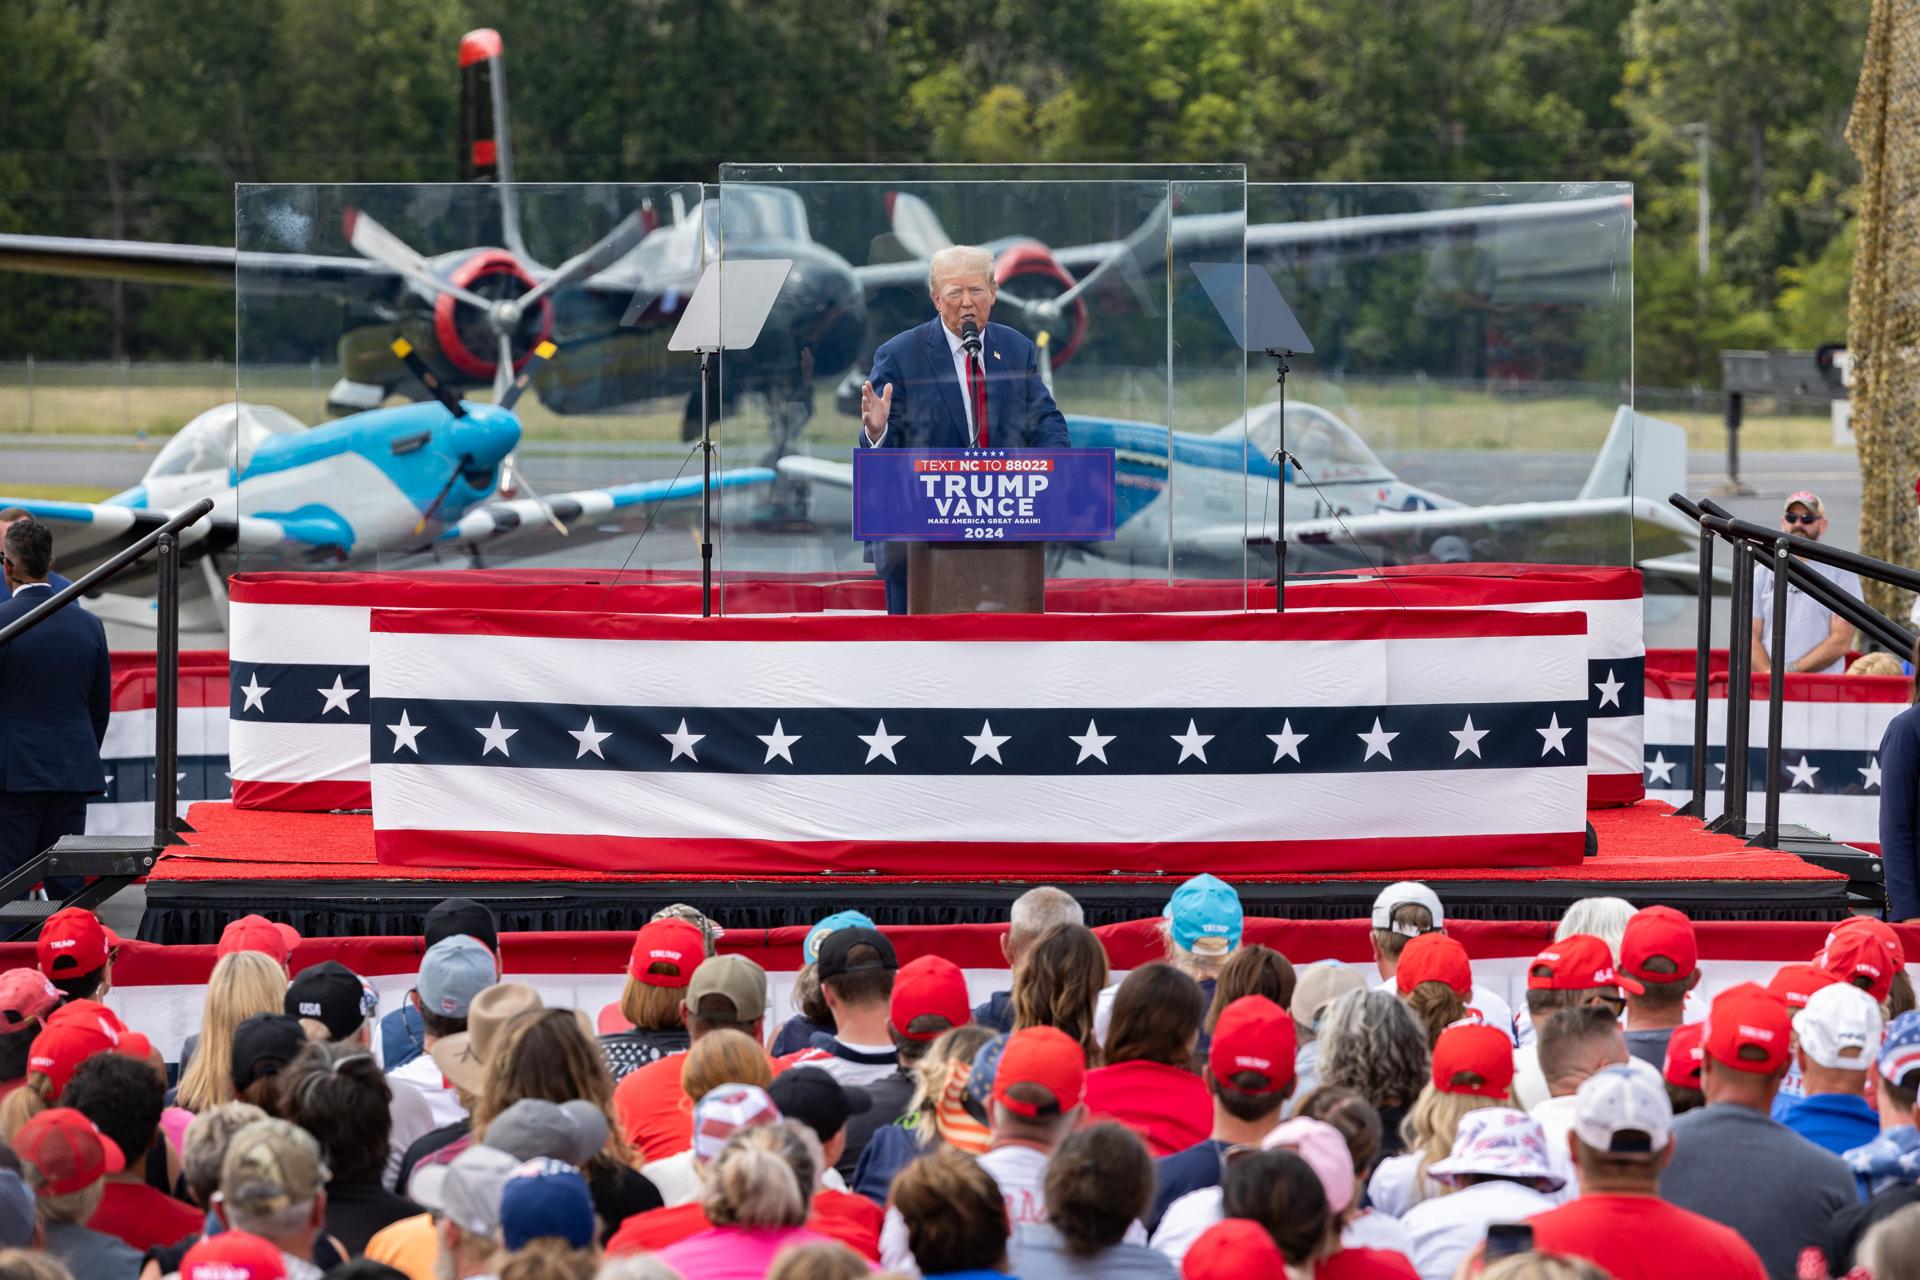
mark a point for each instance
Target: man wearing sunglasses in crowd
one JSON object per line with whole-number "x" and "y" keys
{"x": 1817, "y": 638}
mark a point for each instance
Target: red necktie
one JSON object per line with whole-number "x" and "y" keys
{"x": 977, "y": 392}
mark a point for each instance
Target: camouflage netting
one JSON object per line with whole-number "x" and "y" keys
{"x": 1883, "y": 310}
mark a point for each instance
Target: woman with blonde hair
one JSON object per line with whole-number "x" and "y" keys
{"x": 1472, "y": 1070}
{"x": 935, "y": 1116}
{"x": 758, "y": 1193}
{"x": 242, "y": 984}
{"x": 717, "y": 1058}
{"x": 1058, "y": 985}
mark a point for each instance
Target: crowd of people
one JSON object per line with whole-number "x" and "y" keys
{"x": 1215, "y": 1113}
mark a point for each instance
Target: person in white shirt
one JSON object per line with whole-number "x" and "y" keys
{"x": 1402, "y": 912}
{"x": 1573, "y": 1044}
{"x": 1817, "y": 638}
{"x": 452, "y": 973}
{"x": 1499, "y": 1171}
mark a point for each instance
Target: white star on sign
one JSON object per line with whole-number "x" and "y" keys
{"x": 682, "y": 742}
{"x": 986, "y": 743}
{"x": 337, "y": 697}
{"x": 1467, "y": 739}
{"x": 496, "y": 737}
{"x": 1553, "y": 737}
{"x": 1286, "y": 742}
{"x": 1721, "y": 765}
{"x": 1192, "y": 743}
{"x": 1803, "y": 773}
{"x": 1870, "y": 774}
{"x": 404, "y": 734}
{"x": 1377, "y": 742}
{"x": 1092, "y": 743}
{"x": 1609, "y": 689}
{"x": 778, "y": 743}
{"x": 256, "y": 694}
{"x": 1660, "y": 769}
{"x": 881, "y": 743}
{"x": 589, "y": 740}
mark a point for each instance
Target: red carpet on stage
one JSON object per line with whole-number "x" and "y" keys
{"x": 1641, "y": 842}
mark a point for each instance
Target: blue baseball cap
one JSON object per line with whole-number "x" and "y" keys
{"x": 810, "y": 949}
{"x": 453, "y": 972}
{"x": 1900, "y": 1050}
{"x": 980, "y": 1076}
{"x": 1205, "y": 917}
{"x": 546, "y": 1197}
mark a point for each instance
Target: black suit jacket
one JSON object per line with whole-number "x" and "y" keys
{"x": 55, "y": 683}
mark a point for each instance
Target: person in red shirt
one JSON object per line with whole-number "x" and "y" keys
{"x": 123, "y": 1097}
{"x": 727, "y": 993}
{"x": 1151, "y": 1082}
{"x": 1622, "y": 1138}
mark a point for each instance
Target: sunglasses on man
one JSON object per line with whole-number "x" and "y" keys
{"x": 1805, "y": 517}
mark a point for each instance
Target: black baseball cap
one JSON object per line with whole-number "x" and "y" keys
{"x": 263, "y": 1044}
{"x": 817, "y": 1100}
{"x": 452, "y": 917}
{"x": 331, "y": 993}
{"x": 840, "y": 943}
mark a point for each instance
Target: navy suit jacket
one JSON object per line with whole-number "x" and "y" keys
{"x": 54, "y": 580}
{"x": 928, "y": 412}
{"x": 54, "y": 688}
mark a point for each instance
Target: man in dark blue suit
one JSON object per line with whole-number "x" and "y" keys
{"x": 7, "y": 518}
{"x": 54, "y": 684}
{"x": 939, "y": 392}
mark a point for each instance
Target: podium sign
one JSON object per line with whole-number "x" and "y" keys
{"x": 983, "y": 495}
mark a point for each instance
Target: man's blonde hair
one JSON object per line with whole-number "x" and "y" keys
{"x": 958, "y": 259}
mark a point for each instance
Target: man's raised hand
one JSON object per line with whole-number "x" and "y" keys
{"x": 875, "y": 409}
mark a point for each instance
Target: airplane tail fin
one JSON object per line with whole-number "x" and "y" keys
{"x": 1643, "y": 457}
{"x": 486, "y": 143}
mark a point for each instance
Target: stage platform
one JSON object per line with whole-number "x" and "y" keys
{"x": 317, "y": 871}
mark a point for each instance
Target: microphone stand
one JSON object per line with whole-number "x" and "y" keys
{"x": 1279, "y": 356}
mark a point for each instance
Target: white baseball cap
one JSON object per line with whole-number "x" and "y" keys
{"x": 1840, "y": 1027}
{"x": 1401, "y": 894}
{"x": 1624, "y": 1110}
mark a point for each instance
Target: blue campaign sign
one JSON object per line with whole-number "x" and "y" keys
{"x": 972, "y": 495}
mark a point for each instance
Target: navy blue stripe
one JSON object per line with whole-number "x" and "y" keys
{"x": 1839, "y": 769}
{"x": 130, "y": 778}
{"x": 293, "y": 692}
{"x": 1631, "y": 697}
{"x": 1039, "y": 740}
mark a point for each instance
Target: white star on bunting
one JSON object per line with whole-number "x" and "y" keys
{"x": 1554, "y": 736}
{"x": 1377, "y": 742}
{"x": 1660, "y": 769}
{"x": 986, "y": 743}
{"x": 1721, "y": 765}
{"x": 1609, "y": 689}
{"x": 682, "y": 742}
{"x": 337, "y": 697}
{"x": 256, "y": 694}
{"x": 1468, "y": 739}
{"x": 496, "y": 737}
{"x": 778, "y": 743}
{"x": 1092, "y": 744}
{"x": 1870, "y": 774}
{"x": 881, "y": 743}
{"x": 589, "y": 740}
{"x": 405, "y": 733}
{"x": 1192, "y": 743}
{"x": 1803, "y": 773}
{"x": 1286, "y": 742}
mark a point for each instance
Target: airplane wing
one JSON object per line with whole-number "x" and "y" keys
{"x": 205, "y": 266}
{"x": 586, "y": 513}
{"x": 87, "y": 533}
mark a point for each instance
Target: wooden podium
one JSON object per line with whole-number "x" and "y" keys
{"x": 976, "y": 577}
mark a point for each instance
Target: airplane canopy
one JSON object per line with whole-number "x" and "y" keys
{"x": 222, "y": 439}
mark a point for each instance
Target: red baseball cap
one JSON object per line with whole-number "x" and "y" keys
{"x": 666, "y": 952}
{"x": 1473, "y": 1048}
{"x": 1658, "y": 933}
{"x": 233, "y": 1255}
{"x": 1684, "y": 1055}
{"x": 1748, "y": 1017}
{"x": 1434, "y": 957}
{"x": 1879, "y": 929}
{"x": 1254, "y": 1036}
{"x": 1576, "y": 962}
{"x": 931, "y": 985}
{"x": 257, "y": 933}
{"x": 1233, "y": 1249}
{"x": 1855, "y": 953}
{"x": 1047, "y": 1057}
{"x": 73, "y": 942}
{"x": 25, "y": 994}
{"x": 68, "y": 1150}
{"x": 58, "y": 1051}
{"x": 1796, "y": 983}
{"x": 91, "y": 1014}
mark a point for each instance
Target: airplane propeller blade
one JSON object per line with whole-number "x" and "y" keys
{"x": 512, "y": 477}
{"x": 609, "y": 249}
{"x": 1131, "y": 255}
{"x": 541, "y": 354}
{"x": 372, "y": 240}
{"x": 917, "y": 226}
{"x": 428, "y": 379}
{"x": 503, "y": 368}
{"x": 420, "y": 525}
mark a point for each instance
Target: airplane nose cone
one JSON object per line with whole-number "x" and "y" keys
{"x": 488, "y": 433}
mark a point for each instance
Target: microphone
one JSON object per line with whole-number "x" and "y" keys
{"x": 970, "y": 336}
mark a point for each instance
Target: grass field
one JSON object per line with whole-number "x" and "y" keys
{"x": 61, "y": 492}
{"x": 1391, "y": 415}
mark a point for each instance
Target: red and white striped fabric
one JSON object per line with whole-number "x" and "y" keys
{"x": 1370, "y": 739}
{"x": 126, "y": 753}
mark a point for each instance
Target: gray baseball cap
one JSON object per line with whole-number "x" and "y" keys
{"x": 16, "y": 1211}
{"x": 533, "y": 1127}
{"x": 453, "y": 972}
{"x": 467, "y": 1189}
